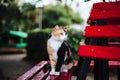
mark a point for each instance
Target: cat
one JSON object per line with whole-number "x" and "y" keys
{"x": 60, "y": 56}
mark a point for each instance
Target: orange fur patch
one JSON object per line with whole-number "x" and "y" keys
{"x": 58, "y": 32}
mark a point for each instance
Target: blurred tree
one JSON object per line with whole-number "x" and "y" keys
{"x": 61, "y": 15}
{"x": 9, "y": 15}
{"x": 29, "y": 18}
{"x": 13, "y": 17}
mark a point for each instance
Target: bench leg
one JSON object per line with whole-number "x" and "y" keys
{"x": 118, "y": 73}
{"x": 101, "y": 70}
{"x": 83, "y": 68}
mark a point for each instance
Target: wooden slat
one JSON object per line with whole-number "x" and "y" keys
{"x": 102, "y": 31}
{"x": 97, "y": 14}
{"x": 41, "y": 75}
{"x": 102, "y": 52}
{"x": 105, "y": 10}
{"x": 112, "y": 64}
{"x": 107, "y": 5}
{"x": 28, "y": 75}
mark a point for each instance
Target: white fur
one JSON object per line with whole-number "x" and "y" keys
{"x": 55, "y": 44}
{"x": 63, "y": 37}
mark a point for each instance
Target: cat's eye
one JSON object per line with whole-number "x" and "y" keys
{"x": 61, "y": 33}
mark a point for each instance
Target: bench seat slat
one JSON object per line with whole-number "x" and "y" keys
{"x": 101, "y": 52}
{"x": 28, "y": 75}
{"x": 42, "y": 74}
{"x": 102, "y": 31}
{"x": 112, "y": 64}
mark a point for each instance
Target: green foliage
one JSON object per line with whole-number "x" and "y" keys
{"x": 37, "y": 43}
{"x": 10, "y": 16}
{"x": 74, "y": 39}
{"x": 59, "y": 15}
{"x": 29, "y": 16}
{"x": 26, "y": 17}
{"x": 15, "y": 18}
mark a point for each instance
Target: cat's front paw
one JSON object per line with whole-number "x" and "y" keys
{"x": 57, "y": 73}
{"x": 52, "y": 72}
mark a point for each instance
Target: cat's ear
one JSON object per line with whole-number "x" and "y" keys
{"x": 56, "y": 28}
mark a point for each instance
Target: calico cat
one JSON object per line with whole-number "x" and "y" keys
{"x": 59, "y": 53}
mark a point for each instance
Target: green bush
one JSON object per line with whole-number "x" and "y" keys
{"x": 59, "y": 15}
{"x": 36, "y": 48}
{"x": 74, "y": 39}
{"x": 37, "y": 43}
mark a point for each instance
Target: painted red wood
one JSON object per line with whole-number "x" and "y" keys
{"x": 105, "y": 10}
{"x": 39, "y": 73}
{"x": 112, "y": 64}
{"x": 30, "y": 73}
{"x": 97, "y": 14}
{"x": 101, "y": 52}
{"x": 102, "y": 31}
{"x": 106, "y": 5}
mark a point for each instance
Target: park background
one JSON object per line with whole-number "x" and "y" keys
{"x": 37, "y": 18}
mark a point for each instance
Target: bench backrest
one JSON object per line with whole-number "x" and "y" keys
{"x": 101, "y": 31}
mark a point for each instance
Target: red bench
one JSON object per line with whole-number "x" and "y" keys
{"x": 41, "y": 72}
{"x": 102, "y": 52}
{"x": 105, "y": 10}
{"x": 35, "y": 71}
{"x": 112, "y": 64}
{"x": 108, "y": 31}
{"x": 108, "y": 12}
{"x": 104, "y": 23}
